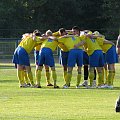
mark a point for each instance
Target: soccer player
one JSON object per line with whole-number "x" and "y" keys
{"x": 63, "y": 57}
{"x": 76, "y": 31}
{"x": 75, "y": 56}
{"x": 47, "y": 72}
{"x": 109, "y": 49}
{"x": 46, "y": 58}
{"x": 21, "y": 56}
{"x": 95, "y": 56}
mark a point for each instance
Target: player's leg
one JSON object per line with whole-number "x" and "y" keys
{"x": 26, "y": 78}
{"x": 47, "y": 75}
{"x": 38, "y": 75}
{"x": 29, "y": 74}
{"x": 100, "y": 77}
{"x": 117, "y": 105}
{"x": 79, "y": 61}
{"x": 20, "y": 75}
{"x": 78, "y": 77}
{"x": 111, "y": 75}
{"x": 68, "y": 77}
{"x": 63, "y": 58}
{"x": 85, "y": 68}
{"x": 54, "y": 77}
{"x": 111, "y": 60}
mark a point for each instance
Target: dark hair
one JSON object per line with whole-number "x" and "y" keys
{"x": 61, "y": 30}
{"x": 76, "y": 28}
{"x": 37, "y": 32}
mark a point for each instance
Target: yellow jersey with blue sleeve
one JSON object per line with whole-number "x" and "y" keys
{"x": 28, "y": 43}
{"x": 69, "y": 42}
{"x": 90, "y": 44}
{"x": 49, "y": 43}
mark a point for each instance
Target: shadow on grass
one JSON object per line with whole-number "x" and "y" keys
{"x": 8, "y": 81}
{"x": 7, "y": 67}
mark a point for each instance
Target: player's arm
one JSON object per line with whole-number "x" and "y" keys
{"x": 108, "y": 42}
{"x": 79, "y": 44}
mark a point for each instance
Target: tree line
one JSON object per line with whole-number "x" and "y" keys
{"x": 20, "y": 16}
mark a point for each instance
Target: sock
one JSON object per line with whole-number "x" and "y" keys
{"x": 91, "y": 77}
{"x": 38, "y": 77}
{"x": 68, "y": 78}
{"x": 64, "y": 75}
{"x": 94, "y": 74}
{"x": 111, "y": 76}
{"x": 30, "y": 76}
{"x": 54, "y": 76}
{"x": 106, "y": 76}
{"x": 86, "y": 72}
{"x": 100, "y": 78}
{"x": 20, "y": 76}
{"x": 78, "y": 79}
{"x": 26, "y": 77}
{"x": 47, "y": 74}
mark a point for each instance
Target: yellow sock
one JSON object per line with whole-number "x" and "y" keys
{"x": 30, "y": 76}
{"x": 47, "y": 75}
{"x": 54, "y": 76}
{"x": 78, "y": 79}
{"x": 110, "y": 77}
{"x": 64, "y": 75}
{"x": 106, "y": 76}
{"x": 68, "y": 78}
{"x": 26, "y": 77}
{"x": 38, "y": 77}
{"x": 91, "y": 77}
{"x": 100, "y": 78}
{"x": 103, "y": 71}
{"x": 113, "y": 75}
{"x": 20, "y": 76}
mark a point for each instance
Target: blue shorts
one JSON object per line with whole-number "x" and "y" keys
{"x": 21, "y": 57}
{"x": 63, "y": 58}
{"x": 104, "y": 55}
{"x": 75, "y": 56}
{"x": 96, "y": 59}
{"x": 46, "y": 57}
{"x": 36, "y": 55}
{"x": 85, "y": 58}
{"x": 111, "y": 55}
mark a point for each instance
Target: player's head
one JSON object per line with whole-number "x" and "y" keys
{"x": 76, "y": 30}
{"x": 96, "y": 33}
{"x": 62, "y": 31}
{"x": 37, "y": 32}
{"x": 48, "y": 33}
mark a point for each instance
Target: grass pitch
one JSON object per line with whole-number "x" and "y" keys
{"x": 47, "y": 103}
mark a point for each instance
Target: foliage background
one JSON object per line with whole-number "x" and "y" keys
{"x": 19, "y": 16}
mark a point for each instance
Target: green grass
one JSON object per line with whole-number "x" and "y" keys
{"x": 47, "y": 103}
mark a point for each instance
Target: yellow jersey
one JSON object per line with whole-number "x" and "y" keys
{"x": 60, "y": 45}
{"x": 69, "y": 42}
{"x": 49, "y": 43}
{"x": 105, "y": 47}
{"x": 90, "y": 44}
{"x": 28, "y": 43}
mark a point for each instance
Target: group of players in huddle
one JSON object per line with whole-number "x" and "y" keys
{"x": 84, "y": 48}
